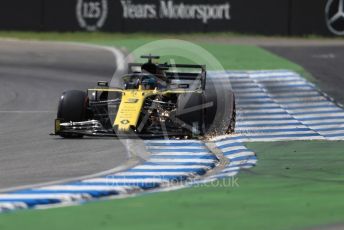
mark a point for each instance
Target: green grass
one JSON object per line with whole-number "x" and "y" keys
{"x": 238, "y": 57}
{"x": 96, "y": 36}
{"x": 235, "y": 57}
{"x": 295, "y": 185}
{"x": 231, "y": 57}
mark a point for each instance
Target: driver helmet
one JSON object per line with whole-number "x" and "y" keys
{"x": 149, "y": 83}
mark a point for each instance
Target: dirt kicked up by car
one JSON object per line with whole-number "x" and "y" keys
{"x": 154, "y": 100}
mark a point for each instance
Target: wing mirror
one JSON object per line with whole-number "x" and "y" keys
{"x": 103, "y": 84}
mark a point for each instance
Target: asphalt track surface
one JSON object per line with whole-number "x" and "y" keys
{"x": 32, "y": 77}
{"x": 325, "y": 63}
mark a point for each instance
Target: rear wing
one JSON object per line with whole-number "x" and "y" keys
{"x": 176, "y": 76}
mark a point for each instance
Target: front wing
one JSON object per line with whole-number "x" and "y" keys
{"x": 94, "y": 128}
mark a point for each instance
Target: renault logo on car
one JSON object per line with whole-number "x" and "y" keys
{"x": 334, "y": 13}
{"x": 124, "y": 122}
{"x": 91, "y": 14}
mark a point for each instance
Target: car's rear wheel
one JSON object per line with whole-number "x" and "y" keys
{"x": 231, "y": 127}
{"x": 220, "y": 114}
{"x": 72, "y": 107}
{"x": 190, "y": 113}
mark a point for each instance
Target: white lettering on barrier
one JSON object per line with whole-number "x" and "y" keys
{"x": 168, "y": 9}
{"x": 91, "y": 14}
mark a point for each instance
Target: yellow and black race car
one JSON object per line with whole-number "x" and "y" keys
{"x": 154, "y": 101}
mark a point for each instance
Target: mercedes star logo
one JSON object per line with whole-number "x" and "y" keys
{"x": 334, "y": 13}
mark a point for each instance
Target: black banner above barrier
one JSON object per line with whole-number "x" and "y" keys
{"x": 21, "y": 15}
{"x": 324, "y": 17}
{"x": 271, "y": 17}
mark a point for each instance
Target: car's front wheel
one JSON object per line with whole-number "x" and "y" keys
{"x": 72, "y": 107}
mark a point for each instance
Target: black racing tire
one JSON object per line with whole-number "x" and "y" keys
{"x": 220, "y": 112}
{"x": 190, "y": 113}
{"x": 232, "y": 123}
{"x": 72, "y": 107}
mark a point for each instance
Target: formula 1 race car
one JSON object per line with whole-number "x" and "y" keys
{"x": 152, "y": 102}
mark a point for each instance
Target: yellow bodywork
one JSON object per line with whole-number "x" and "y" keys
{"x": 131, "y": 105}
{"x": 130, "y": 108}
